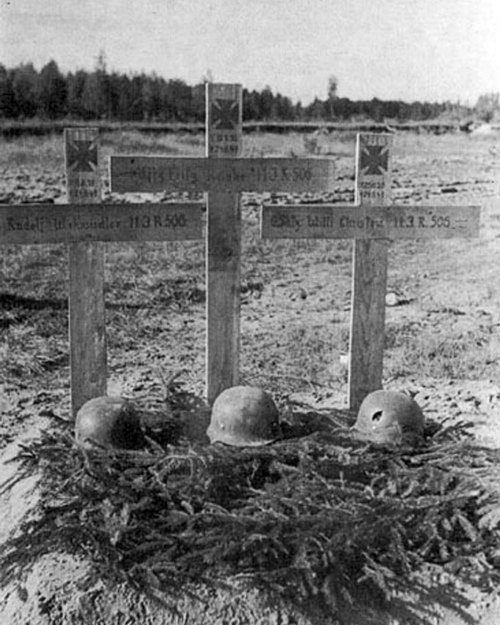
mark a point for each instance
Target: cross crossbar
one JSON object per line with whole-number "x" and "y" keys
{"x": 83, "y": 223}
{"x": 372, "y": 222}
{"x": 337, "y": 221}
{"x": 223, "y": 174}
{"x": 66, "y": 223}
{"x": 153, "y": 174}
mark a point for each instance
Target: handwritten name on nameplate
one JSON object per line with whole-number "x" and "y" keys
{"x": 224, "y": 144}
{"x": 83, "y": 188}
{"x": 375, "y": 222}
{"x": 62, "y": 223}
{"x": 155, "y": 173}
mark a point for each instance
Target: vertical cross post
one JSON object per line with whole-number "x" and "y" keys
{"x": 87, "y": 336}
{"x": 372, "y": 222}
{"x": 223, "y": 176}
{"x": 369, "y": 281}
{"x": 223, "y": 245}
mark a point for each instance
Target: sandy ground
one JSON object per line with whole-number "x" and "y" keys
{"x": 443, "y": 313}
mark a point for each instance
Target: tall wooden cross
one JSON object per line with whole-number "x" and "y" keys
{"x": 223, "y": 244}
{"x": 223, "y": 175}
{"x": 373, "y": 221}
{"x": 84, "y": 222}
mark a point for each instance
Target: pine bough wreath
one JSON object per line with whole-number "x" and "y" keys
{"x": 323, "y": 517}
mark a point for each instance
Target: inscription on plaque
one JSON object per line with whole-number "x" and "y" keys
{"x": 152, "y": 173}
{"x": 94, "y": 222}
{"x": 375, "y": 222}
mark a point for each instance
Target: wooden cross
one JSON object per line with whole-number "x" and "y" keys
{"x": 372, "y": 222}
{"x": 223, "y": 176}
{"x": 84, "y": 223}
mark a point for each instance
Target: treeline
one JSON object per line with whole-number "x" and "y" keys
{"x": 101, "y": 95}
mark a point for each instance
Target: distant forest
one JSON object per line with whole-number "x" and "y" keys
{"x": 26, "y": 93}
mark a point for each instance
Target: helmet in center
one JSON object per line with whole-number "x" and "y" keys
{"x": 244, "y": 416}
{"x": 390, "y": 417}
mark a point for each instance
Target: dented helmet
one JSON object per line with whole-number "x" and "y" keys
{"x": 390, "y": 417}
{"x": 109, "y": 422}
{"x": 244, "y": 416}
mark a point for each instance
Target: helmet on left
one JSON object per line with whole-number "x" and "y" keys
{"x": 109, "y": 422}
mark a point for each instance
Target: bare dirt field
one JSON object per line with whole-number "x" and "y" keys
{"x": 442, "y": 334}
{"x": 443, "y": 306}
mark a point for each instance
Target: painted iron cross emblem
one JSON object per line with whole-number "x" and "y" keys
{"x": 82, "y": 156}
{"x": 225, "y": 114}
{"x": 374, "y": 160}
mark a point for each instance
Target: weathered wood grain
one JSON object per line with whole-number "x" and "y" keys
{"x": 220, "y": 173}
{"x": 223, "y": 247}
{"x": 369, "y": 277}
{"x": 87, "y": 335}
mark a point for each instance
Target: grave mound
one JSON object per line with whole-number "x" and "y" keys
{"x": 316, "y": 527}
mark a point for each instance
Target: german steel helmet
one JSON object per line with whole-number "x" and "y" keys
{"x": 244, "y": 416}
{"x": 109, "y": 422}
{"x": 390, "y": 417}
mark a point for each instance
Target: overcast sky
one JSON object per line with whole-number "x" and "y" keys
{"x": 431, "y": 50}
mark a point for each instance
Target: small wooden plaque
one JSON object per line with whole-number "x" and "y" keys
{"x": 373, "y": 171}
{"x": 224, "y": 119}
{"x": 83, "y": 182}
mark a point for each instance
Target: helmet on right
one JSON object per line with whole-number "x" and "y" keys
{"x": 390, "y": 417}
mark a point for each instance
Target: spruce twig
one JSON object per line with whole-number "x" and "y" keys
{"x": 302, "y": 518}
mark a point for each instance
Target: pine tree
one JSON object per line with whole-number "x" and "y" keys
{"x": 25, "y": 86}
{"x": 75, "y": 86}
{"x": 7, "y": 100}
{"x": 51, "y": 92}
